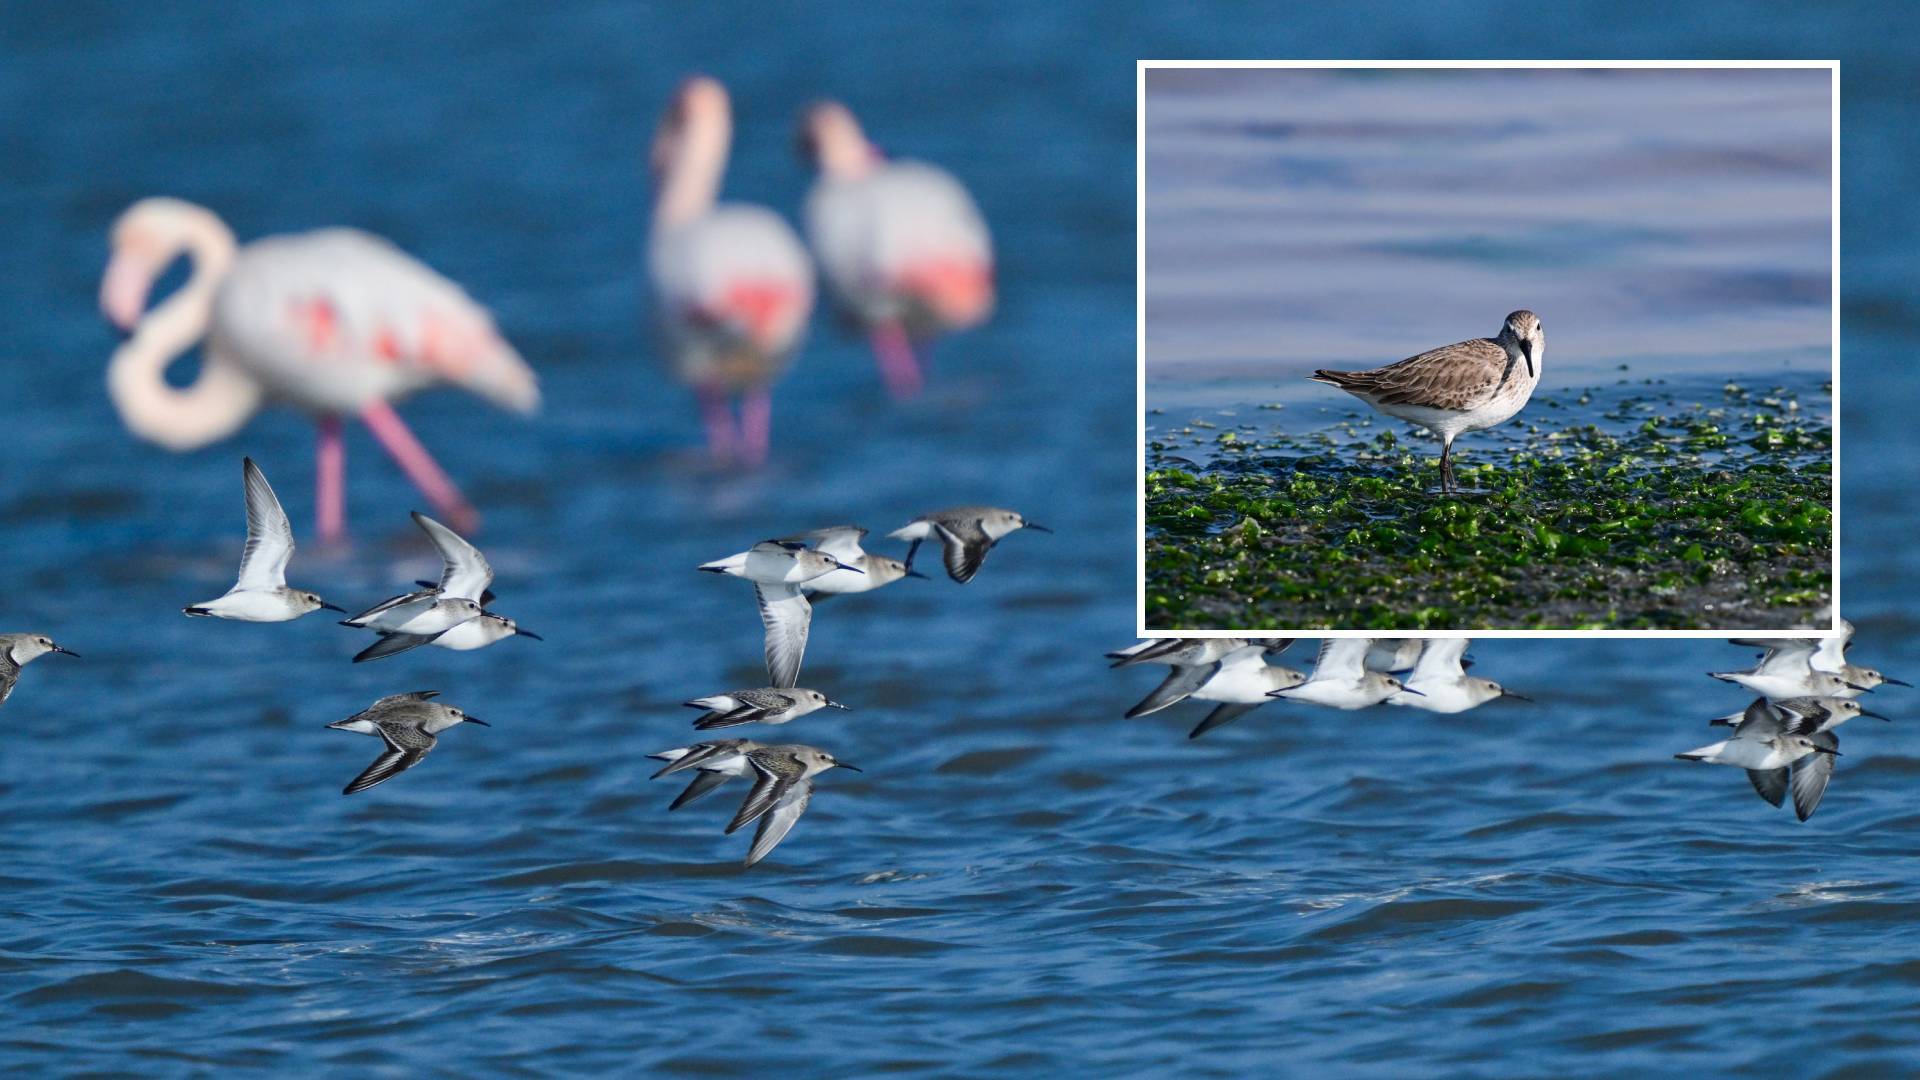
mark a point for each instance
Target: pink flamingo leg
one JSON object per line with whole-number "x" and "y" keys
{"x": 756, "y": 425}
{"x": 419, "y": 466}
{"x": 897, "y": 364}
{"x": 719, "y": 423}
{"x": 330, "y": 481}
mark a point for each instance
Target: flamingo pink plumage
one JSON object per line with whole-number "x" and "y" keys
{"x": 732, "y": 285}
{"x": 901, "y": 243}
{"x": 336, "y": 322}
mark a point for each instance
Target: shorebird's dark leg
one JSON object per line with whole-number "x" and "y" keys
{"x": 1446, "y": 465}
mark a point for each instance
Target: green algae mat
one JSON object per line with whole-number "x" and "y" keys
{"x": 1626, "y": 507}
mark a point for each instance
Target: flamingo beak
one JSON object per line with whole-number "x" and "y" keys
{"x": 123, "y": 289}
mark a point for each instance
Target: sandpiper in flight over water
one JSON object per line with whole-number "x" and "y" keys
{"x": 19, "y": 650}
{"x": 1466, "y": 386}
{"x": 260, "y": 594}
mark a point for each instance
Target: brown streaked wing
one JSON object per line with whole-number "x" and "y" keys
{"x": 1458, "y": 376}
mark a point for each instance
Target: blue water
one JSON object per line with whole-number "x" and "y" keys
{"x": 1021, "y": 883}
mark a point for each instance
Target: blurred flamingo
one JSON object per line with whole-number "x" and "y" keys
{"x": 901, "y": 243}
{"x": 337, "y": 322}
{"x": 732, "y": 283}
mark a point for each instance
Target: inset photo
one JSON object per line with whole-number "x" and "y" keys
{"x": 1488, "y": 346}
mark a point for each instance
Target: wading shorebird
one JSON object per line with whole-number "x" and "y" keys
{"x": 1461, "y": 387}
{"x": 901, "y": 243}
{"x": 732, "y": 285}
{"x": 337, "y": 322}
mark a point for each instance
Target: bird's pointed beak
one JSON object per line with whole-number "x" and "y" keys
{"x": 1876, "y": 715}
{"x": 1516, "y": 697}
{"x": 911, "y": 572}
{"x": 528, "y": 633}
{"x": 1038, "y": 528}
{"x": 844, "y": 566}
{"x": 844, "y": 765}
{"x": 1411, "y": 690}
{"x": 69, "y": 652}
{"x": 474, "y": 720}
{"x": 333, "y": 607}
{"x": 123, "y": 289}
{"x": 1829, "y": 751}
{"x": 836, "y": 705}
{"x": 1526, "y": 349}
{"x": 1862, "y": 689}
{"x": 1896, "y": 682}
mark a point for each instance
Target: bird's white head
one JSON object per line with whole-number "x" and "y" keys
{"x": 21, "y": 648}
{"x": 830, "y": 140}
{"x": 1522, "y": 334}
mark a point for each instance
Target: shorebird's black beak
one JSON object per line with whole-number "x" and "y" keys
{"x": 333, "y": 607}
{"x": 69, "y": 652}
{"x": 844, "y": 566}
{"x": 1410, "y": 690}
{"x": 911, "y": 572}
{"x": 844, "y": 765}
{"x": 1830, "y": 752}
{"x": 1526, "y": 350}
{"x": 528, "y": 633}
{"x": 1862, "y": 689}
{"x": 837, "y": 705}
{"x": 1876, "y": 715}
{"x": 1517, "y": 697}
{"x": 1896, "y": 682}
{"x": 1038, "y": 528}
{"x": 474, "y": 720}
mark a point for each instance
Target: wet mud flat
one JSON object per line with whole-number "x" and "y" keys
{"x": 1637, "y": 505}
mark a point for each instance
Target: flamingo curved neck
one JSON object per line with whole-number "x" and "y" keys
{"x": 692, "y": 181}
{"x": 223, "y": 396}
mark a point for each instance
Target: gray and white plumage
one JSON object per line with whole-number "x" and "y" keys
{"x": 476, "y": 633}
{"x": 409, "y": 724}
{"x": 1786, "y": 671}
{"x": 1806, "y": 715}
{"x": 1242, "y": 681}
{"x": 783, "y": 785}
{"x": 966, "y": 534}
{"x": 778, "y": 570}
{"x": 1340, "y": 678}
{"x": 718, "y": 760}
{"x": 1439, "y": 682}
{"x": 1176, "y": 651}
{"x": 1782, "y": 748}
{"x": 843, "y": 543}
{"x": 1760, "y": 741}
{"x": 19, "y": 650}
{"x": 760, "y": 705}
{"x": 429, "y": 612}
{"x": 1466, "y": 386}
{"x": 1395, "y": 655}
{"x": 260, "y": 594}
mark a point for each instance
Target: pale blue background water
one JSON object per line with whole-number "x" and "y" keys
{"x": 1021, "y": 883}
{"x": 1676, "y": 222}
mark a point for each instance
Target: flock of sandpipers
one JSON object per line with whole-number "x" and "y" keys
{"x": 451, "y": 613}
{"x": 1786, "y": 737}
{"x": 1350, "y": 673}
